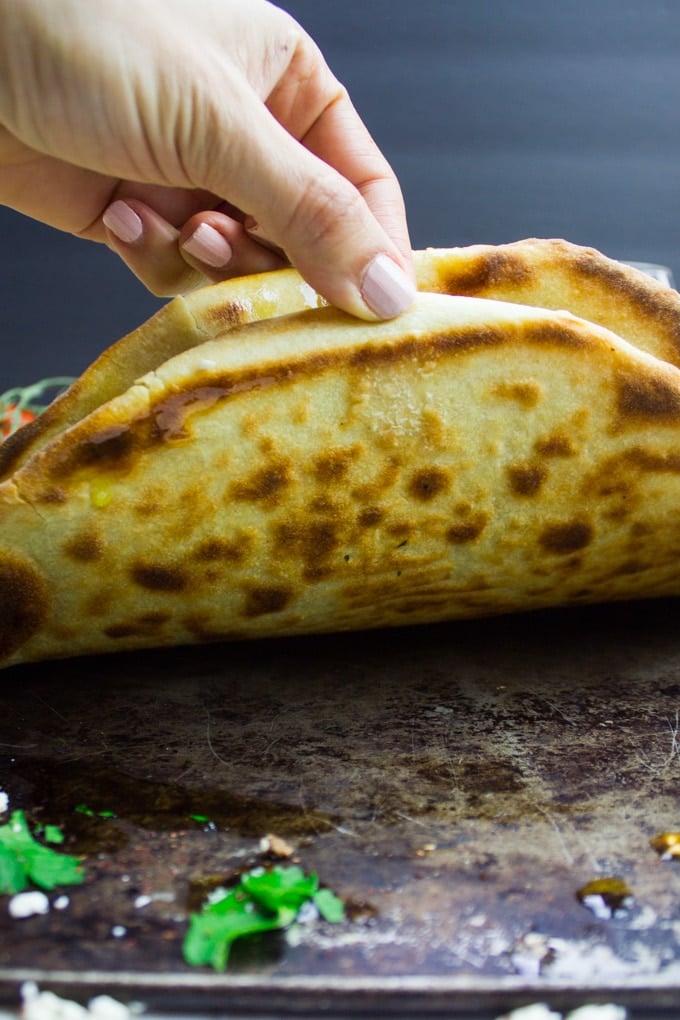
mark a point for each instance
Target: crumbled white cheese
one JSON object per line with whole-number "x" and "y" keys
{"x": 39, "y": 1005}
{"x": 539, "y": 1011}
{"x": 27, "y": 904}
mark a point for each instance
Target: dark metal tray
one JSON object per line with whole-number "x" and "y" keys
{"x": 457, "y": 785}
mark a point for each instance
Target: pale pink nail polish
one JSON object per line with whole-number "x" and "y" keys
{"x": 207, "y": 245}
{"x": 386, "y": 288}
{"x": 122, "y": 220}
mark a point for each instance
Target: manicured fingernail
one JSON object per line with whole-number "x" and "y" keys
{"x": 386, "y": 288}
{"x": 122, "y": 220}
{"x": 207, "y": 245}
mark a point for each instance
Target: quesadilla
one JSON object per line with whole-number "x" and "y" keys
{"x": 311, "y": 472}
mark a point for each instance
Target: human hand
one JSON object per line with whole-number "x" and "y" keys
{"x": 165, "y": 128}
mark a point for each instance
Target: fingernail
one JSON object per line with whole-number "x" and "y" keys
{"x": 122, "y": 220}
{"x": 207, "y": 245}
{"x": 386, "y": 288}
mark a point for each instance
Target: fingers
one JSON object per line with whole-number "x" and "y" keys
{"x": 322, "y": 220}
{"x": 340, "y": 138}
{"x": 209, "y": 247}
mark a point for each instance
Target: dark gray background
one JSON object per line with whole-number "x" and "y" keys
{"x": 502, "y": 120}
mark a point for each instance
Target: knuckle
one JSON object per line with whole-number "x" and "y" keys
{"x": 324, "y": 211}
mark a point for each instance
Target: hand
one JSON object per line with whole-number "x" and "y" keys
{"x": 165, "y": 128}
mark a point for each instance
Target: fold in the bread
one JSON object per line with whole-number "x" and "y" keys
{"x": 553, "y": 274}
{"x": 182, "y": 323}
{"x": 313, "y": 473}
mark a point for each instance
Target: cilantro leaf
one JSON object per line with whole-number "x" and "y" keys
{"x": 262, "y": 901}
{"x": 212, "y": 932}
{"x": 280, "y": 887}
{"x": 53, "y": 834}
{"x": 23, "y": 860}
{"x": 329, "y": 906}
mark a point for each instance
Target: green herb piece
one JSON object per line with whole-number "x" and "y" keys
{"x": 23, "y": 860}
{"x": 262, "y": 901}
{"x": 280, "y": 888}
{"x": 202, "y": 819}
{"x": 83, "y": 809}
{"x": 52, "y": 834}
{"x": 329, "y": 906}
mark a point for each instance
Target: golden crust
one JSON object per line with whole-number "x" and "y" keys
{"x": 471, "y": 457}
{"x": 184, "y": 322}
{"x": 559, "y": 275}
{"x": 551, "y": 274}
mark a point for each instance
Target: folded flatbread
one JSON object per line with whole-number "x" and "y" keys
{"x": 311, "y": 472}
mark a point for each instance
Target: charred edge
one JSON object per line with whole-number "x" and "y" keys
{"x": 117, "y": 447}
{"x": 648, "y": 397}
{"x": 24, "y": 603}
{"x": 487, "y": 272}
{"x": 645, "y": 295}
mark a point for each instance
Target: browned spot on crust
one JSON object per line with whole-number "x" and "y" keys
{"x": 148, "y": 508}
{"x": 556, "y": 445}
{"x": 203, "y": 629}
{"x": 143, "y": 626}
{"x": 645, "y": 460}
{"x": 324, "y": 504}
{"x": 154, "y": 577}
{"x": 372, "y": 491}
{"x": 467, "y": 530}
{"x": 433, "y": 429}
{"x": 310, "y": 542}
{"x": 261, "y": 600}
{"x": 566, "y": 537}
{"x": 85, "y": 548}
{"x": 23, "y": 602}
{"x": 333, "y": 465}
{"x": 490, "y": 269}
{"x": 219, "y": 549}
{"x": 648, "y": 396}
{"x": 112, "y": 447}
{"x": 527, "y": 394}
{"x": 371, "y": 516}
{"x": 224, "y": 316}
{"x": 427, "y": 483}
{"x": 526, "y": 479}
{"x": 118, "y": 447}
{"x": 401, "y": 529}
{"x": 264, "y": 485}
{"x": 54, "y": 495}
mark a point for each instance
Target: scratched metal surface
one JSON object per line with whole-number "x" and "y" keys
{"x": 456, "y": 785}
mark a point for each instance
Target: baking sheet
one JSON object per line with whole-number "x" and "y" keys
{"x": 456, "y": 785}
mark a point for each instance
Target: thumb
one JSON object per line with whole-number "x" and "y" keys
{"x": 320, "y": 218}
